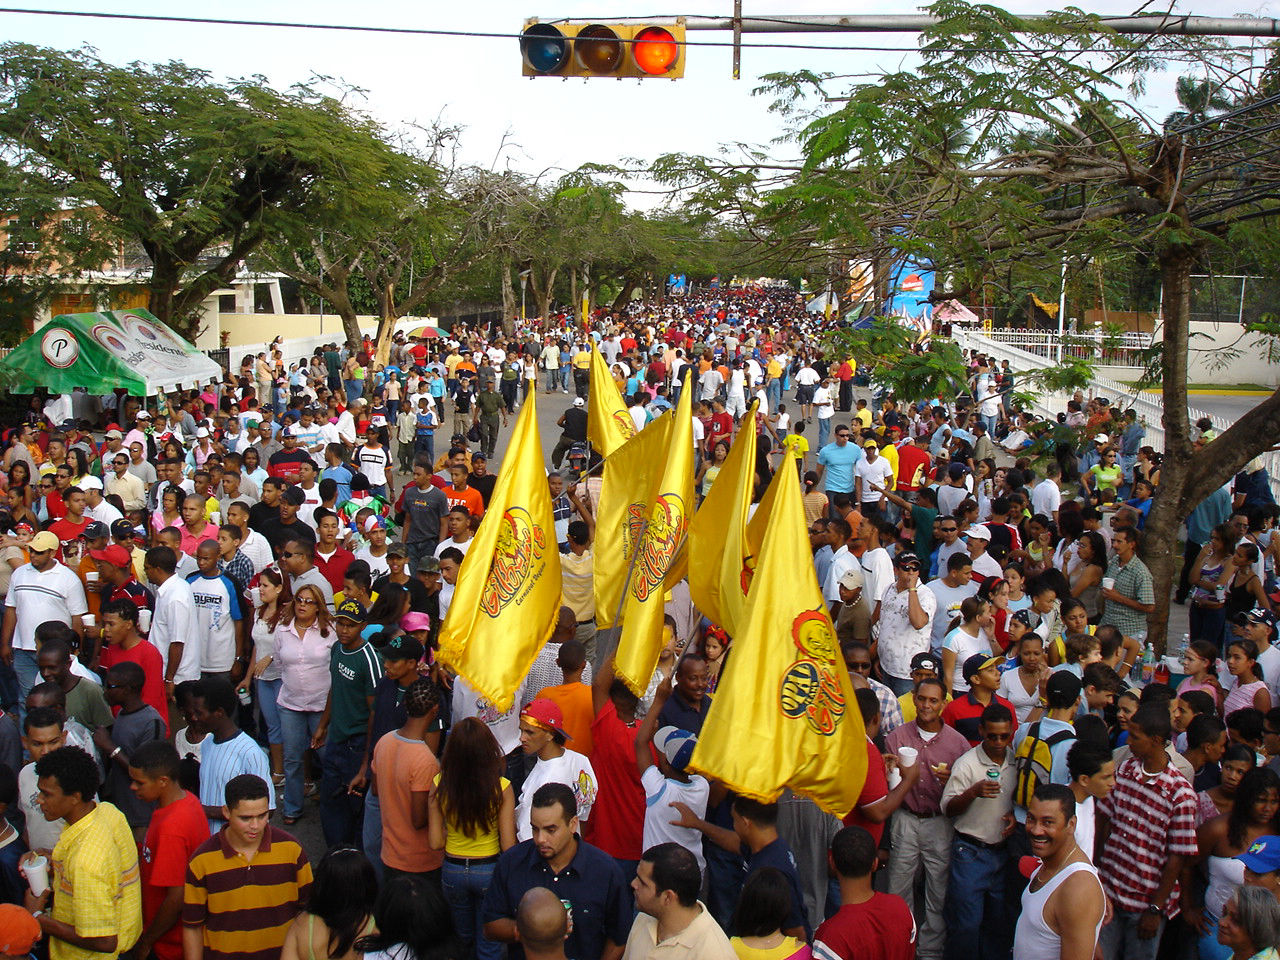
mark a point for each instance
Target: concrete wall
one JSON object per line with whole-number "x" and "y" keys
{"x": 1247, "y": 363}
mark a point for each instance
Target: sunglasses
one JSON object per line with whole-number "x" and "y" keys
{"x": 910, "y": 567}
{"x": 304, "y": 600}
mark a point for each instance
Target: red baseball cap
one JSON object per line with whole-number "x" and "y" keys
{"x": 546, "y": 714}
{"x": 115, "y": 555}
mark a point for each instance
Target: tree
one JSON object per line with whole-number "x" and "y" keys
{"x": 1059, "y": 163}
{"x": 196, "y": 173}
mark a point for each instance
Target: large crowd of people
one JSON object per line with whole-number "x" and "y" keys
{"x": 222, "y": 608}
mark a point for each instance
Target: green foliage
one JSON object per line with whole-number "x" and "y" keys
{"x": 886, "y": 350}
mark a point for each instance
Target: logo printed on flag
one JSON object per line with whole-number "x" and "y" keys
{"x": 625, "y": 423}
{"x": 668, "y": 521}
{"x": 810, "y": 688}
{"x": 521, "y": 541}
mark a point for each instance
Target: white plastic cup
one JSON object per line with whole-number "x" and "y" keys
{"x": 89, "y": 620}
{"x": 907, "y": 756}
{"x": 36, "y": 870}
{"x": 91, "y": 576}
{"x": 216, "y": 518}
{"x": 1108, "y": 583}
{"x": 144, "y": 620}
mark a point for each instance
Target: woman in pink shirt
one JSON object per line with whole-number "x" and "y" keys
{"x": 303, "y": 639}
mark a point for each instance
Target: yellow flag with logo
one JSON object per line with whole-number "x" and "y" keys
{"x": 508, "y": 592}
{"x": 718, "y": 551}
{"x": 658, "y": 548}
{"x": 630, "y": 473}
{"x": 609, "y": 425}
{"x": 783, "y": 714}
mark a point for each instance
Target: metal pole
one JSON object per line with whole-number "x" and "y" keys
{"x": 1240, "y": 315}
{"x": 737, "y": 39}
{"x": 1062, "y": 309}
{"x": 914, "y": 23}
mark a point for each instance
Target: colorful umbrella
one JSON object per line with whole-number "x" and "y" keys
{"x": 424, "y": 332}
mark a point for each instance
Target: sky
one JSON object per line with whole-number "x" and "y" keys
{"x": 536, "y": 125}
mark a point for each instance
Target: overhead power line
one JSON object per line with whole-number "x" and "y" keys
{"x": 906, "y": 24}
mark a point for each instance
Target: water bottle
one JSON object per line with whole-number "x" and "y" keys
{"x": 1148, "y": 663}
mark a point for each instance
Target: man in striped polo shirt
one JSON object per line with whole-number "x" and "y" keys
{"x": 1147, "y": 826}
{"x": 245, "y": 884}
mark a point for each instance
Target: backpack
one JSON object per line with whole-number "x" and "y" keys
{"x": 1033, "y": 761}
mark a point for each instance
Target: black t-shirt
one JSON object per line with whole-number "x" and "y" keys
{"x": 278, "y": 533}
{"x": 419, "y": 599}
{"x": 575, "y": 424}
{"x": 483, "y": 485}
{"x": 260, "y": 515}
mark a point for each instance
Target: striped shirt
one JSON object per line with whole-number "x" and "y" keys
{"x": 244, "y": 906}
{"x": 97, "y": 888}
{"x": 1152, "y": 818}
{"x": 222, "y": 762}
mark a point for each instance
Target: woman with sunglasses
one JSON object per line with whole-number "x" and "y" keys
{"x": 303, "y": 640}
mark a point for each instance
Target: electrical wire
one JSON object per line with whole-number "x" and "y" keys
{"x": 495, "y": 35}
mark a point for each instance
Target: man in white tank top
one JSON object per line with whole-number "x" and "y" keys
{"x": 1063, "y": 905}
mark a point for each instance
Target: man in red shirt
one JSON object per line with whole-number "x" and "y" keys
{"x": 178, "y": 827}
{"x": 914, "y": 464}
{"x": 71, "y": 526}
{"x": 844, "y": 373}
{"x": 194, "y": 527}
{"x": 617, "y": 819}
{"x": 122, "y": 642}
{"x": 868, "y": 924}
{"x": 719, "y": 427}
{"x": 332, "y": 558}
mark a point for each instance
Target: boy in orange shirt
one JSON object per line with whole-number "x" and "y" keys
{"x": 573, "y": 697}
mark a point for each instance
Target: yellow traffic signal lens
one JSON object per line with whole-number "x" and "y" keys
{"x": 544, "y": 48}
{"x": 597, "y": 49}
{"x": 655, "y": 51}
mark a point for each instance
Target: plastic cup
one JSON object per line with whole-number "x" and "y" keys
{"x": 1108, "y": 583}
{"x": 91, "y": 576}
{"x": 907, "y": 756}
{"x": 89, "y": 620}
{"x": 36, "y": 870}
{"x": 144, "y": 620}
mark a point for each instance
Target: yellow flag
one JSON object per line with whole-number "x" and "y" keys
{"x": 609, "y": 425}
{"x": 784, "y": 713}
{"x": 718, "y": 575}
{"x": 667, "y": 514}
{"x": 508, "y": 592}
{"x": 630, "y": 473}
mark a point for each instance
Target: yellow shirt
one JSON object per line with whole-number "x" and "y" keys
{"x": 458, "y": 844}
{"x": 96, "y": 885}
{"x": 863, "y": 417}
{"x": 582, "y": 360}
{"x": 576, "y": 590}
{"x": 890, "y": 453}
{"x": 908, "y": 705}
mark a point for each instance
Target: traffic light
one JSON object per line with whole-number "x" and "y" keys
{"x": 584, "y": 49}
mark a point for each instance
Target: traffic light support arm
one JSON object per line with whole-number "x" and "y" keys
{"x": 914, "y": 23}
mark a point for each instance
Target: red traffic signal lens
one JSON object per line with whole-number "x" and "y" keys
{"x": 597, "y": 49}
{"x": 655, "y": 51}
{"x": 544, "y": 48}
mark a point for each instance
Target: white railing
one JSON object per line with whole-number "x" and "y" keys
{"x": 1108, "y": 350}
{"x": 1149, "y": 406}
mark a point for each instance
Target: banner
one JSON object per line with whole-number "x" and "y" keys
{"x": 507, "y": 597}
{"x": 718, "y": 553}
{"x": 609, "y": 425}
{"x": 661, "y": 541}
{"x": 784, "y": 714}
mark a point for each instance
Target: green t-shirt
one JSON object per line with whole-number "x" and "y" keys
{"x": 490, "y": 403}
{"x": 86, "y": 703}
{"x": 922, "y": 520}
{"x": 353, "y": 675}
{"x": 1105, "y": 478}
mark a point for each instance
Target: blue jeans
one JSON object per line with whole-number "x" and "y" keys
{"x": 268, "y": 691}
{"x": 297, "y": 726}
{"x": 1206, "y": 624}
{"x": 371, "y": 834}
{"x": 564, "y": 377}
{"x": 553, "y": 377}
{"x": 824, "y": 431}
{"x": 773, "y": 394}
{"x": 898, "y": 685}
{"x": 975, "y": 902}
{"x": 355, "y": 390}
{"x": 1119, "y": 938}
{"x": 464, "y": 889}
{"x": 340, "y": 810}
{"x": 24, "y": 665}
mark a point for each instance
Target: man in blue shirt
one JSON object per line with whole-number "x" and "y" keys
{"x": 836, "y": 461}
{"x": 687, "y": 707}
{"x": 586, "y": 878}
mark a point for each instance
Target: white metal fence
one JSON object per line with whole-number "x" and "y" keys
{"x": 1108, "y": 350}
{"x": 1149, "y": 406}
